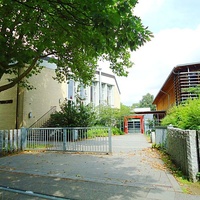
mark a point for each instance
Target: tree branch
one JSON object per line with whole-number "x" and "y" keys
{"x": 20, "y": 77}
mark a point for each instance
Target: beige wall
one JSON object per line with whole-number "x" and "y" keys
{"x": 8, "y": 111}
{"x": 48, "y": 93}
{"x": 117, "y": 100}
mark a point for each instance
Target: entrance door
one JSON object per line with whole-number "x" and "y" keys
{"x": 134, "y": 126}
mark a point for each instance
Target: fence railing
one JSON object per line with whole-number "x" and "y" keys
{"x": 82, "y": 139}
{"x": 44, "y": 119}
{"x": 11, "y": 140}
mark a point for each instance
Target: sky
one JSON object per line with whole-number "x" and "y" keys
{"x": 176, "y": 28}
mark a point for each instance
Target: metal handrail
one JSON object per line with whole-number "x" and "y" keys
{"x": 42, "y": 120}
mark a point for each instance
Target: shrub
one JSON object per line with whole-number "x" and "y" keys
{"x": 184, "y": 116}
{"x": 72, "y": 115}
{"x": 95, "y": 132}
{"x": 117, "y": 131}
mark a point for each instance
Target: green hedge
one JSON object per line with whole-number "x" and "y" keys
{"x": 184, "y": 116}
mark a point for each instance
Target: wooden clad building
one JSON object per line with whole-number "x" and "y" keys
{"x": 174, "y": 90}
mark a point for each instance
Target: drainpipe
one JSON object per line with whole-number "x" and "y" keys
{"x": 17, "y": 106}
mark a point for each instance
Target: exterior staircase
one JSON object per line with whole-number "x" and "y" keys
{"x": 43, "y": 121}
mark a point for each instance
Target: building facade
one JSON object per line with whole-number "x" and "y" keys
{"x": 103, "y": 91}
{"x": 22, "y": 108}
{"x": 175, "y": 88}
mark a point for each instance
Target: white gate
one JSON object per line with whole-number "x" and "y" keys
{"x": 82, "y": 139}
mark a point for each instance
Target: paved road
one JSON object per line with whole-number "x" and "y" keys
{"x": 133, "y": 171}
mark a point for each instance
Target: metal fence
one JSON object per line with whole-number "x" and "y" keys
{"x": 161, "y": 136}
{"x": 82, "y": 139}
{"x": 10, "y": 140}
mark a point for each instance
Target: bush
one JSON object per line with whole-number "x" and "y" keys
{"x": 101, "y": 132}
{"x": 95, "y": 132}
{"x": 117, "y": 131}
{"x": 184, "y": 116}
{"x": 72, "y": 115}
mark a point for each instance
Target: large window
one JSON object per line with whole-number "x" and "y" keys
{"x": 109, "y": 95}
{"x": 93, "y": 93}
{"x": 71, "y": 88}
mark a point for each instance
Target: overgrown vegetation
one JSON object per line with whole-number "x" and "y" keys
{"x": 184, "y": 116}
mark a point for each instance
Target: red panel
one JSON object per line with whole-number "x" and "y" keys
{"x": 141, "y": 117}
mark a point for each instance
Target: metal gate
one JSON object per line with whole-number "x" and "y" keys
{"x": 134, "y": 126}
{"x": 82, "y": 139}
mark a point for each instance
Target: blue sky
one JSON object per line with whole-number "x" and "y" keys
{"x": 176, "y": 28}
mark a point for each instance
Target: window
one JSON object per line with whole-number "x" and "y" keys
{"x": 6, "y": 101}
{"x": 109, "y": 95}
{"x": 71, "y": 90}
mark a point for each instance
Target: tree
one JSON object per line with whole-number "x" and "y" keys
{"x": 73, "y": 115}
{"x": 134, "y": 105}
{"x": 74, "y": 33}
{"x": 147, "y": 101}
{"x": 112, "y": 116}
{"x": 124, "y": 110}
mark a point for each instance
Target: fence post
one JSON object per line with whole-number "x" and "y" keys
{"x": 10, "y": 143}
{"x": 192, "y": 155}
{"x": 110, "y": 140}
{"x": 1, "y": 141}
{"x": 64, "y": 139}
{"x": 23, "y": 138}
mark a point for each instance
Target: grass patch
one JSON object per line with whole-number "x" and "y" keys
{"x": 148, "y": 137}
{"x": 39, "y": 146}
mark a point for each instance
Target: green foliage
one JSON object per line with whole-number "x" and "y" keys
{"x": 134, "y": 105}
{"x": 95, "y": 132}
{"x": 72, "y": 115}
{"x": 194, "y": 90}
{"x": 147, "y": 101}
{"x": 76, "y": 34}
{"x": 117, "y": 131}
{"x": 184, "y": 116}
{"x": 111, "y": 116}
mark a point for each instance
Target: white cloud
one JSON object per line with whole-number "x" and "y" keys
{"x": 155, "y": 60}
{"x": 147, "y": 6}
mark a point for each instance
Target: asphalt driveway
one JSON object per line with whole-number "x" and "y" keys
{"x": 133, "y": 171}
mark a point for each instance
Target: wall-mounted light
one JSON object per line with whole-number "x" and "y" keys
{"x": 30, "y": 115}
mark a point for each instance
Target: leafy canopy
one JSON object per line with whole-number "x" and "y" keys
{"x": 74, "y": 33}
{"x": 146, "y": 102}
{"x": 108, "y": 116}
